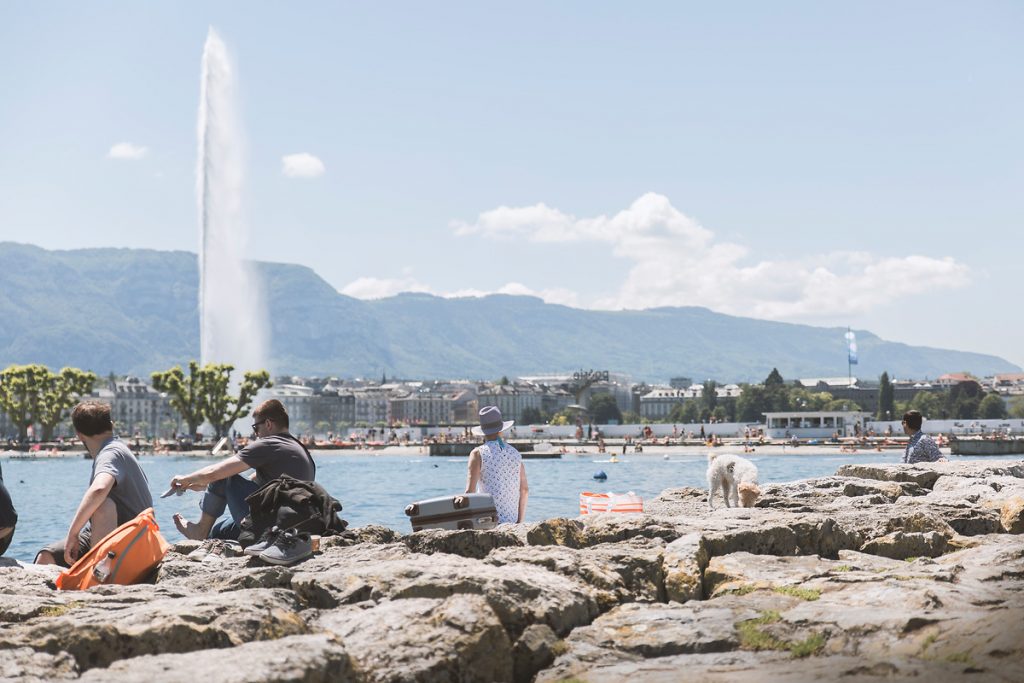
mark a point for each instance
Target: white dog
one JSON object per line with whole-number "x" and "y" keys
{"x": 735, "y": 477}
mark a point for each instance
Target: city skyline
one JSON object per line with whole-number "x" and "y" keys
{"x": 828, "y": 166}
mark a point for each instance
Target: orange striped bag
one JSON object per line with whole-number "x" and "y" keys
{"x": 591, "y": 503}
{"x": 138, "y": 548}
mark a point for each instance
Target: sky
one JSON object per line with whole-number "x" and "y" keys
{"x": 850, "y": 164}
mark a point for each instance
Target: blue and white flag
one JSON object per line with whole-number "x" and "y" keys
{"x": 851, "y": 340}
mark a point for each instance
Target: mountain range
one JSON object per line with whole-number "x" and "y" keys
{"x": 135, "y": 311}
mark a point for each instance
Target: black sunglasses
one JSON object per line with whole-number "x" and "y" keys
{"x": 257, "y": 424}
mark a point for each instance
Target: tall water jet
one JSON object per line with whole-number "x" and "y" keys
{"x": 232, "y": 315}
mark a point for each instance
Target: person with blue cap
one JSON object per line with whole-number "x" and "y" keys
{"x": 496, "y": 467}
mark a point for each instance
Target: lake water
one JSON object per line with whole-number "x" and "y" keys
{"x": 374, "y": 489}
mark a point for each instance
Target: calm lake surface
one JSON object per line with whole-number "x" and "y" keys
{"x": 374, "y": 489}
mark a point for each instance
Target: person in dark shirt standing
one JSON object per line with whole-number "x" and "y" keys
{"x": 921, "y": 447}
{"x": 273, "y": 452}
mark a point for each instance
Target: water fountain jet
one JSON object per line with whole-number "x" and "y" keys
{"x": 232, "y": 314}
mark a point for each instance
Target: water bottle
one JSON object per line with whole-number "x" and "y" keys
{"x": 102, "y": 570}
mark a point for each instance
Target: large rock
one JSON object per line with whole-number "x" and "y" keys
{"x": 1011, "y": 515}
{"x": 465, "y": 543}
{"x": 618, "y": 572}
{"x": 901, "y": 546}
{"x": 459, "y": 638}
{"x": 520, "y": 594}
{"x": 295, "y": 659}
{"x": 97, "y": 634}
{"x": 26, "y": 664}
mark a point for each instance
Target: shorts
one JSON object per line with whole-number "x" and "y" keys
{"x": 57, "y": 547}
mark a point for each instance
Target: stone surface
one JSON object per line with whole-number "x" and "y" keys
{"x": 316, "y": 658}
{"x": 1011, "y": 515}
{"x": 459, "y": 638}
{"x": 881, "y": 572}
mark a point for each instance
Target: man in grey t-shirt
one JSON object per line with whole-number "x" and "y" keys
{"x": 273, "y": 452}
{"x": 118, "y": 489}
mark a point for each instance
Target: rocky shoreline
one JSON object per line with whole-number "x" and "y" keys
{"x": 881, "y": 572}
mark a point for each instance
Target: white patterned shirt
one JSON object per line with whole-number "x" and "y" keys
{"x": 499, "y": 476}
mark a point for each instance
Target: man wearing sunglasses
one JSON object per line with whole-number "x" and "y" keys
{"x": 272, "y": 452}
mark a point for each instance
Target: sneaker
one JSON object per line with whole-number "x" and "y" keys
{"x": 210, "y": 547}
{"x": 289, "y": 548}
{"x": 266, "y": 540}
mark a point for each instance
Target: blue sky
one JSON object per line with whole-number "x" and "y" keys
{"x": 837, "y": 164}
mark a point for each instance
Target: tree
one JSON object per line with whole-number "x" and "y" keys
{"x": 928, "y": 404}
{"x": 59, "y": 393}
{"x": 752, "y": 403}
{"x": 218, "y": 405}
{"x": 993, "y": 407}
{"x": 774, "y": 378}
{"x": 1017, "y": 407}
{"x": 886, "y": 398}
{"x": 503, "y": 381}
{"x": 963, "y": 400}
{"x": 630, "y": 418}
{"x": 20, "y": 388}
{"x": 708, "y": 397}
{"x": 840, "y": 404}
{"x": 531, "y": 416}
{"x": 185, "y": 393}
{"x": 604, "y": 409}
{"x": 686, "y": 412}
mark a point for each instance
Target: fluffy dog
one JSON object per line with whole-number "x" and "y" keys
{"x": 735, "y": 477}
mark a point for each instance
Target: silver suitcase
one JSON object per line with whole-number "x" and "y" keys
{"x": 477, "y": 512}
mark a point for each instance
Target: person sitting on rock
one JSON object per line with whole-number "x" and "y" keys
{"x": 272, "y": 453}
{"x": 497, "y": 468}
{"x": 8, "y": 517}
{"x": 921, "y": 447}
{"x": 118, "y": 489}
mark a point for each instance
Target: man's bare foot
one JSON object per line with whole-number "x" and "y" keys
{"x": 189, "y": 530}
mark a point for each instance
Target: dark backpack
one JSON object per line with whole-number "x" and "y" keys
{"x": 289, "y": 503}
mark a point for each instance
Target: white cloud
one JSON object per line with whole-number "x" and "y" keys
{"x": 126, "y": 151}
{"x": 379, "y": 288}
{"x": 677, "y": 262}
{"x": 302, "y": 165}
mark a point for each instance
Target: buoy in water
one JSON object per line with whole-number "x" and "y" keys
{"x": 600, "y": 474}
{"x": 665, "y": 457}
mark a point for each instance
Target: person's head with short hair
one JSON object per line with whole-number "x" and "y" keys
{"x": 92, "y": 418}
{"x": 913, "y": 419}
{"x": 270, "y": 411}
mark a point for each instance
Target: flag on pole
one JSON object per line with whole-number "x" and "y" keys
{"x": 851, "y": 341}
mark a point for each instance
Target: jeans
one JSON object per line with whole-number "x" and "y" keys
{"x": 227, "y": 494}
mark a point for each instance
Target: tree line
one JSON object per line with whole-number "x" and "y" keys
{"x": 963, "y": 401}
{"x": 34, "y": 394}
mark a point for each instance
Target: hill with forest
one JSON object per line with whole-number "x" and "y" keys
{"x": 135, "y": 311}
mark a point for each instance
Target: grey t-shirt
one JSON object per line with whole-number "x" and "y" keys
{"x": 277, "y": 454}
{"x": 131, "y": 488}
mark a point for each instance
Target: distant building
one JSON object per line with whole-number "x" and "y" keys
{"x": 658, "y": 403}
{"x": 298, "y": 401}
{"x": 138, "y": 408}
{"x": 511, "y": 399}
{"x": 680, "y": 382}
{"x": 422, "y": 407}
{"x": 815, "y": 424}
{"x": 371, "y": 406}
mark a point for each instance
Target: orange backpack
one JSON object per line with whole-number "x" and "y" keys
{"x": 138, "y": 548}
